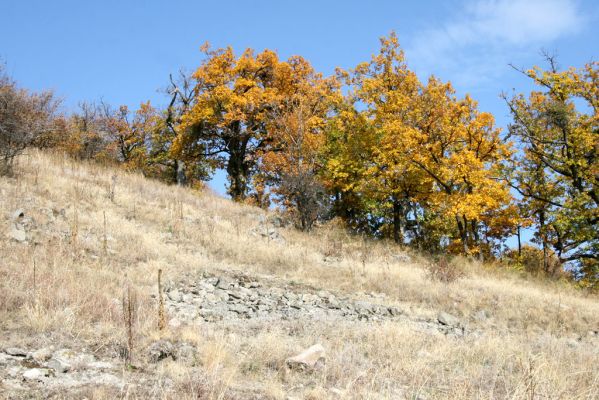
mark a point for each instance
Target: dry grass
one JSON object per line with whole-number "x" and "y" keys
{"x": 93, "y": 229}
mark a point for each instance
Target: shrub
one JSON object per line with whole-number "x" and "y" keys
{"x": 24, "y": 117}
{"x": 443, "y": 270}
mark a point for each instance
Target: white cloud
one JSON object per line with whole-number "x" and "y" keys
{"x": 479, "y": 39}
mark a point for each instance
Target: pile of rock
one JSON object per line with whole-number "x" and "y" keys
{"x": 215, "y": 298}
{"x": 50, "y": 368}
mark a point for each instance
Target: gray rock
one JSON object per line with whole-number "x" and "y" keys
{"x": 240, "y": 309}
{"x": 161, "y": 350}
{"x": 15, "y": 352}
{"x": 42, "y": 355}
{"x": 101, "y": 365}
{"x": 447, "y": 319}
{"x": 58, "y": 365}
{"x": 17, "y": 233}
{"x": 36, "y": 374}
{"x": 312, "y": 358}
{"x": 224, "y": 283}
{"x": 17, "y": 214}
{"x": 175, "y": 296}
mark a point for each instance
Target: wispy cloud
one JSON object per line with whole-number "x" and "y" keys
{"x": 475, "y": 43}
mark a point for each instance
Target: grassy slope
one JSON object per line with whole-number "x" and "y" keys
{"x": 529, "y": 344}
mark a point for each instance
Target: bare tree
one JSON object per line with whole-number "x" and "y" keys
{"x": 24, "y": 117}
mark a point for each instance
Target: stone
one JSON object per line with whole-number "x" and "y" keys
{"x": 17, "y": 214}
{"x": 17, "y": 233}
{"x": 447, "y": 319}
{"x": 66, "y": 360}
{"x": 58, "y": 365}
{"x": 42, "y": 355}
{"x": 239, "y": 309}
{"x": 101, "y": 365}
{"x": 224, "y": 283}
{"x": 36, "y": 374}
{"x": 15, "y": 352}
{"x": 313, "y": 357}
{"x": 161, "y": 350}
{"x": 175, "y": 296}
{"x": 174, "y": 323}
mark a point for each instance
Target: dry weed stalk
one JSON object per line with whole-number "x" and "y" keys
{"x": 129, "y": 316}
{"x": 75, "y": 226}
{"x": 105, "y": 239}
{"x": 161, "y": 314}
{"x": 111, "y": 188}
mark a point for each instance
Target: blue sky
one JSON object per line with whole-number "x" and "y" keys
{"x": 123, "y": 51}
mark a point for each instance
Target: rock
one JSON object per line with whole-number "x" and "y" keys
{"x": 66, "y": 360}
{"x": 15, "y": 352}
{"x": 174, "y": 323}
{"x": 58, "y": 365}
{"x": 36, "y": 374}
{"x": 336, "y": 392}
{"x": 240, "y": 309}
{"x": 17, "y": 233}
{"x": 224, "y": 283}
{"x": 312, "y": 358}
{"x": 175, "y": 296}
{"x": 161, "y": 350}
{"x": 447, "y": 319}
{"x": 42, "y": 355}
{"x": 17, "y": 214}
{"x": 101, "y": 365}
{"x": 363, "y": 308}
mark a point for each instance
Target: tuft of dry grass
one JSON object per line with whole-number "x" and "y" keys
{"x": 92, "y": 228}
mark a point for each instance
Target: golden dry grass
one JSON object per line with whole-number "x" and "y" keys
{"x": 530, "y": 348}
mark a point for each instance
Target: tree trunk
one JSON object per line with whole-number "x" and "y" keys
{"x": 463, "y": 233}
{"x": 518, "y": 234}
{"x": 180, "y": 173}
{"x": 397, "y": 233}
{"x": 544, "y": 240}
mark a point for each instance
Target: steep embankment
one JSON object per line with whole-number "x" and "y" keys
{"x": 242, "y": 294}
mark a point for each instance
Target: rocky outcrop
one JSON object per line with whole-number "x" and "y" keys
{"x": 215, "y": 298}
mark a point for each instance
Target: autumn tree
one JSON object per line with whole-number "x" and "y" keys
{"x": 179, "y": 164}
{"x": 128, "y": 133}
{"x": 557, "y": 168}
{"x": 234, "y": 100}
{"x": 24, "y": 117}
{"x": 83, "y": 135}
{"x": 291, "y": 161}
{"x": 389, "y": 93}
{"x": 430, "y": 156}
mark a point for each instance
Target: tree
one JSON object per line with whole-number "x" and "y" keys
{"x": 24, "y": 117}
{"x": 129, "y": 134}
{"x": 429, "y": 156}
{"x": 178, "y": 164}
{"x": 389, "y": 91}
{"x": 557, "y": 168}
{"x": 290, "y": 165}
{"x": 83, "y": 136}
{"x": 232, "y": 111}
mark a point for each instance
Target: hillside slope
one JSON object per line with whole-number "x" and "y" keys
{"x": 242, "y": 294}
